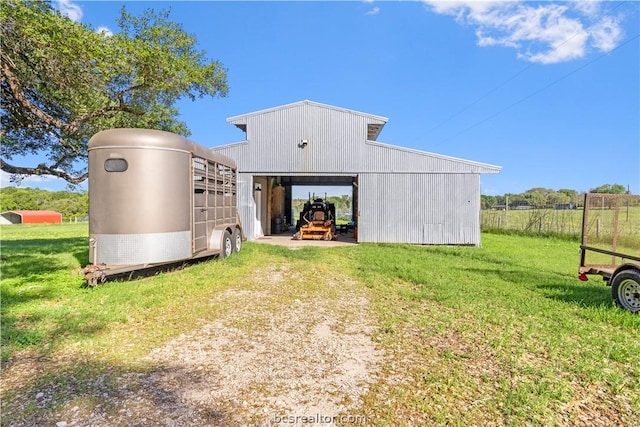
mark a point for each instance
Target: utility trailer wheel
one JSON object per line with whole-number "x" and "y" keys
{"x": 237, "y": 240}
{"x": 625, "y": 290}
{"x": 227, "y": 245}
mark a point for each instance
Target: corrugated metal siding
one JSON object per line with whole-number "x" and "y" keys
{"x": 335, "y": 142}
{"x": 405, "y": 195}
{"x": 419, "y": 208}
{"x": 388, "y": 158}
{"x": 246, "y": 205}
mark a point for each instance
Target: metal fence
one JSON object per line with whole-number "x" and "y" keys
{"x": 611, "y": 228}
{"x": 566, "y": 222}
{"x": 608, "y": 215}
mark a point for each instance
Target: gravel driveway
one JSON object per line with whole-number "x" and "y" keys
{"x": 268, "y": 360}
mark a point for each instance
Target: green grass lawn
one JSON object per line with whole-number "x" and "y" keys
{"x": 501, "y": 334}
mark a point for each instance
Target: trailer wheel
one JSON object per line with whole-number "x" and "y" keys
{"x": 625, "y": 290}
{"x": 237, "y": 240}
{"x": 227, "y": 245}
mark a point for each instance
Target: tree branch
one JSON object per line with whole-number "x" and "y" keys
{"x": 123, "y": 107}
{"x": 42, "y": 169}
{"x": 73, "y": 126}
{"x": 18, "y": 94}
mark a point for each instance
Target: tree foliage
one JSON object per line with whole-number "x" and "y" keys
{"x": 62, "y": 82}
{"x": 70, "y": 204}
{"x": 609, "y": 188}
{"x": 545, "y": 197}
{"x": 342, "y": 203}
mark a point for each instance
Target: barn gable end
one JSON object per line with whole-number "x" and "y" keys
{"x": 311, "y": 143}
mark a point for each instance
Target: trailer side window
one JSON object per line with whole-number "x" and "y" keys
{"x": 115, "y": 165}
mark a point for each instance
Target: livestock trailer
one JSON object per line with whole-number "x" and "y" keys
{"x": 611, "y": 245}
{"x": 157, "y": 198}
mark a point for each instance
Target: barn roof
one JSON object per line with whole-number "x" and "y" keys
{"x": 340, "y": 141}
{"x": 39, "y": 213}
{"x": 31, "y": 216}
{"x": 373, "y": 128}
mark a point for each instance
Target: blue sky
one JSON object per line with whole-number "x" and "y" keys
{"x": 549, "y": 91}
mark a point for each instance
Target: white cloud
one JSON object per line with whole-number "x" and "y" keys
{"x": 70, "y": 9}
{"x": 588, "y": 7}
{"x": 374, "y": 11}
{"x": 5, "y": 179}
{"x": 606, "y": 34}
{"x": 543, "y": 32}
{"x": 104, "y": 31}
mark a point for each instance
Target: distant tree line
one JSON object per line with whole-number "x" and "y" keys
{"x": 71, "y": 204}
{"x": 545, "y": 197}
{"x": 342, "y": 203}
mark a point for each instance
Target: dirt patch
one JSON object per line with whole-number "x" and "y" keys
{"x": 286, "y": 239}
{"x": 303, "y": 360}
{"x": 269, "y": 359}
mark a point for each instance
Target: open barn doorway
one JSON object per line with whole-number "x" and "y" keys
{"x": 340, "y": 196}
{"x": 280, "y": 200}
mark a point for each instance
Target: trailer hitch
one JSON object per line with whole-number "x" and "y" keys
{"x": 93, "y": 274}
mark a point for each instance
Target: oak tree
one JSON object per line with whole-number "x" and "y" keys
{"x": 62, "y": 81}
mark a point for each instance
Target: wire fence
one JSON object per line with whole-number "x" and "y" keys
{"x": 565, "y": 222}
{"x": 612, "y": 219}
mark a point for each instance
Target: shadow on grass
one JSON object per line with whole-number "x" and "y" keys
{"x": 85, "y": 392}
{"x": 421, "y": 265}
{"x": 579, "y": 294}
{"x": 36, "y": 272}
{"x": 24, "y": 258}
{"x": 41, "y": 328}
{"x": 557, "y": 286}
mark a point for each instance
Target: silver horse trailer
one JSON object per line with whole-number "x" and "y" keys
{"x": 157, "y": 198}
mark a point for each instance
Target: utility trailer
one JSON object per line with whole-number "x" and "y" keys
{"x": 157, "y": 199}
{"x": 610, "y": 245}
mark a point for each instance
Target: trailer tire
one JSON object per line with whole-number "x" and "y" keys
{"x": 237, "y": 240}
{"x": 625, "y": 290}
{"x": 227, "y": 245}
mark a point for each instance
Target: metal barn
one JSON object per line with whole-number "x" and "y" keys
{"x": 400, "y": 195}
{"x": 31, "y": 217}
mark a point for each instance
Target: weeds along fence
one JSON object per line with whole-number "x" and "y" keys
{"x": 563, "y": 222}
{"x": 606, "y": 211}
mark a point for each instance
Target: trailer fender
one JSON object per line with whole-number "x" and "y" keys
{"x": 220, "y": 241}
{"x": 215, "y": 240}
{"x": 627, "y": 266}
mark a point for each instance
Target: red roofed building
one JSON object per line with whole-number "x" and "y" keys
{"x": 31, "y": 217}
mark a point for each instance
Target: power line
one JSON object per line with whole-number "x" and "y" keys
{"x": 531, "y": 95}
{"x": 466, "y": 107}
{"x": 510, "y": 79}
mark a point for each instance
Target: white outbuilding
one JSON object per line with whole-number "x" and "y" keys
{"x": 400, "y": 195}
